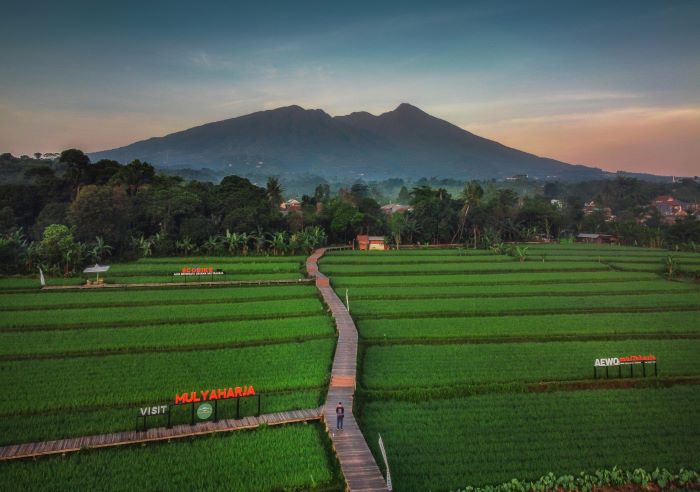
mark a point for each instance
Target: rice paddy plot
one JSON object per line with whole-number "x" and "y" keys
{"x": 426, "y": 366}
{"x": 491, "y": 439}
{"x": 125, "y": 269}
{"x": 570, "y": 326}
{"x": 408, "y": 260}
{"x": 165, "y": 337}
{"x": 512, "y": 266}
{"x": 134, "y": 378}
{"x": 295, "y": 457}
{"x": 495, "y": 278}
{"x": 373, "y": 308}
{"x": 561, "y": 289}
{"x": 189, "y": 295}
{"x": 135, "y": 316}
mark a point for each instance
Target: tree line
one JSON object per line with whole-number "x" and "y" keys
{"x": 71, "y": 212}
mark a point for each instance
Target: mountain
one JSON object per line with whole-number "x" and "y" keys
{"x": 405, "y": 142}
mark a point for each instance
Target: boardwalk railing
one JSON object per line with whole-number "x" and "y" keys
{"x": 34, "y": 449}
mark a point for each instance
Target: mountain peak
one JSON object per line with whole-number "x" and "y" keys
{"x": 406, "y": 142}
{"x": 407, "y": 108}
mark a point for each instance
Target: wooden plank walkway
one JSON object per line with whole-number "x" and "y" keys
{"x": 356, "y": 461}
{"x": 230, "y": 283}
{"x": 35, "y": 449}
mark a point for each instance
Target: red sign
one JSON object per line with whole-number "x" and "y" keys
{"x": 214, "y": 394}
{"x": 186, "y": 271}
{"x": 631, "y": 359}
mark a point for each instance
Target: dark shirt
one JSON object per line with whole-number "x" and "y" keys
{"x": 340, "y": 410}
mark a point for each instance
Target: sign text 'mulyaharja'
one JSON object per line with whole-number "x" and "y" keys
{"x": 214, "y": 394}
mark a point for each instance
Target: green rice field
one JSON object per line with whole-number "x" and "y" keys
{"x": 477, "y": 369}
{"x": 92, "y": 357}
{"x": 296, "y": 457}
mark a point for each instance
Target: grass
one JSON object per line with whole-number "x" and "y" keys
{"x": 490, "y": 439}
{"x": 161, "y": 337}
{"x": 290, "y": 457}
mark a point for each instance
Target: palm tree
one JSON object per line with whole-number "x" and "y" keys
{"x": 212, "y": 245}
{"x": 279, "y": 242}
{"x": 259, "y": 239}
{"x": 100, "y": 250}
{"x": 185, "y": 245}
{"x": 471, "y": 195}
{"x": 145, "y": 246}
{"x": 274, "y": 192}
{"x": 31, "y": 255}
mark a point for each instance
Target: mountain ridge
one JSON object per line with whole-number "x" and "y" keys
{"x": 291, "y": 140}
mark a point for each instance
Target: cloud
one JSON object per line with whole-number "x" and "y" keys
{"x": 654, "y": 139}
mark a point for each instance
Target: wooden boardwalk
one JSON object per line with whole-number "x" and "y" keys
{"x": 356, "y": 461}
{"x": 34, "y": 449}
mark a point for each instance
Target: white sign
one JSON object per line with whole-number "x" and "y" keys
{"x": 155, "y": 410}
{"x": 610, "y": 361}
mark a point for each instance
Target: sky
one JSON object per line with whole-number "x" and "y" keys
{"x": 612, "y": 84}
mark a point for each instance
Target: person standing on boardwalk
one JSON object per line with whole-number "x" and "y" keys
{"x": 339, "y": 413}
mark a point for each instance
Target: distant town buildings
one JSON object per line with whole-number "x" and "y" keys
{"x": 592, "y": 206}
{"x": 670, "y": 208}
{"x": 291, "y": 205}
{"x": 596, "y": 238}
{"x": 557, "y": 203}
{"x": 517, "y": 177}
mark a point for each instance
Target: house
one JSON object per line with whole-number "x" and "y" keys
{"x": 395, "y": 208}
{"x": 592, "y": 206}
{"x": 670, "y": 208}
{"x": 557, "y": 203}
{"x": 291, "y": 205}
{"x": 371, "y": 243}
{"x": 596, "y": 238}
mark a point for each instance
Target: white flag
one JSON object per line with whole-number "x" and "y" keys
{"x": 41, "y": 278}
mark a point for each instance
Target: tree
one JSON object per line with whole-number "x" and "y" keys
{"x": 58, "y": 249}
{"x": 322, "y": 192}
{"x": 471, "y": 195}
{"x": 274, "y": 192}
{"x": 185, "y": 246}
{"x": 134, "y": 175}
{"x": 279, "y": 242}
{"x": 101, "y": 211}
{"x": 76, "y": 168}
{"x": 434, "y": 213}
{"x": 100, "y": 250}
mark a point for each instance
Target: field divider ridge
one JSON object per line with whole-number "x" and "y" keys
{"x": 61, "y": 446}
{"x": 356, "y": 460}
{"x": 181, "y": 284}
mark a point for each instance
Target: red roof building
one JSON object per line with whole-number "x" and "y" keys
{"x": 371, "y": 243}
